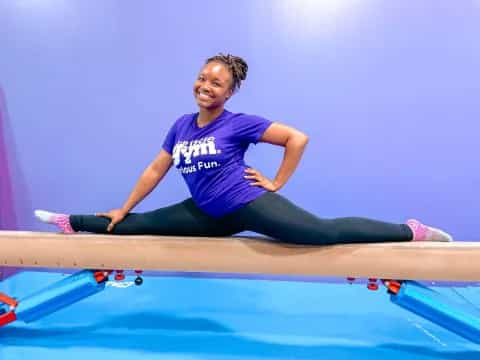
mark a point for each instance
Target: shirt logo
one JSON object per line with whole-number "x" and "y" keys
{"x": 193, "y": 148}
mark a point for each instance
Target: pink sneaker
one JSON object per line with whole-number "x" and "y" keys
{"x": 423, "y": 232}
{"x": 60, "y": 220}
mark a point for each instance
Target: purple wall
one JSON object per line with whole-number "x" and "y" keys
{"x": 387, "y": 91}
{"x": 8, "y": 213}
{"x": 7, "y": 209}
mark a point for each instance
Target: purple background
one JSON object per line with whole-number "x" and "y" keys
{"x": 388, "y": 92}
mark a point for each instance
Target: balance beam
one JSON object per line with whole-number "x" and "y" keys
{"x": 455, "y": 261}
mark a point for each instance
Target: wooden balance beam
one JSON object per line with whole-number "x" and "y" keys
{"x": 455, "y": 261}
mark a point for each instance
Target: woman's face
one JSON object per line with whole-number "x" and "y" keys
{"x": 213, "y": 86}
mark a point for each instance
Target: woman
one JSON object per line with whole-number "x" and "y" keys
{"x": 227, "y": 196}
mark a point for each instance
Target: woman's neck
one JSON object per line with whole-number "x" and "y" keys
{"x": 206, "y": 116}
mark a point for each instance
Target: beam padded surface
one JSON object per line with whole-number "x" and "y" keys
{"x": 456, "y": 261}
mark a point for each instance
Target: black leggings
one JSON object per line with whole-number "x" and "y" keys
{"x": 270, "y": 214}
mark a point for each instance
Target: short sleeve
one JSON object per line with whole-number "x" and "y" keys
{"x": 250, "y": 128}
{"x": 169, "y": 141}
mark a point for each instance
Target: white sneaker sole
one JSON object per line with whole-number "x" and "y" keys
{"x": 441, "y": 235}
{"x": 44, "y": 216}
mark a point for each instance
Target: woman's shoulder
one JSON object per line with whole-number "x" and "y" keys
{"x": 183, "y": 119}
{"x": 246, "y": 117}
{"x": 187, "y": 116}
{"x": 243, "y": 115}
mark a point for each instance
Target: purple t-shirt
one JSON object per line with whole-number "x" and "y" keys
{"x": 210, "y": 159}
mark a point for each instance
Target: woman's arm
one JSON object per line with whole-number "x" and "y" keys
{"x": 294, "y": 142}
{"x": 145, "y": 184}
{"x": 150, "y": 178}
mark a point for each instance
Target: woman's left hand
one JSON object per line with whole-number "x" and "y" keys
{"x": 260, "y": 180}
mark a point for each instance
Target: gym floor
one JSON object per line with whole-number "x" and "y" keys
{"x": 198, "y": 317}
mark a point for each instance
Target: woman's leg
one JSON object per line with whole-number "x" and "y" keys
{"x": 275, "y": 216}
{"x": 182, "y": 219}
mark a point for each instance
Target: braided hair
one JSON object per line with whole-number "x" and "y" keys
{"x": 235, "y": 64}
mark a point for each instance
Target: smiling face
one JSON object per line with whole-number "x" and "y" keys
{"x": 213, "y": 86}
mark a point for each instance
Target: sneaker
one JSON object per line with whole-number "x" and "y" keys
{"x": 423, "y": 232}
{"x": 62, "y": 221}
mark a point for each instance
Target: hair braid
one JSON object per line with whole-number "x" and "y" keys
{"x": 235, "y": 64}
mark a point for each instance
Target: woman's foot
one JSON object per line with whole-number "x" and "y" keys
{"x": 62, "y": 221}
{"x": 423, "y": 232}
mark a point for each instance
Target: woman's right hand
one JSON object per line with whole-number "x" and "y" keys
{"x": 115, "y": 216}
